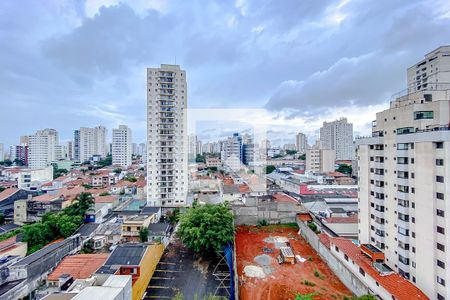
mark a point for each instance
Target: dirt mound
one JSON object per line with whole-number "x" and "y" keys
{"x": 254, "y": 271}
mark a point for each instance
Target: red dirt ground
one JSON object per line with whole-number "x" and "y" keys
{"x": 286, "y": 280}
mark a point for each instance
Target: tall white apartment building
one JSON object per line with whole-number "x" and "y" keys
{"x": 167, "y": 139}
{"x": 301, "y": 142}
{"x": 320, "y": 159}
{"x": 2, "y": 152}
{"x": 42, "y": 148}
{"x": 122, "y": 146}
{"x": 338, "y": 136}
{"x": 404, "y": 181}
{"x": 232, "y": 154}
{"x": 193, "y": 142}
{"x": 89, "y": 142}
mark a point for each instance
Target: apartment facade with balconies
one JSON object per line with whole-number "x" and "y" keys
{"x": 404, "y": 189}
{"x": 167, "y": 140}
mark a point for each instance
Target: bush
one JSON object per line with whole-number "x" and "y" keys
{"x": 318, "y": 275}
{"x": 262, "y": 222}
{"x": 304, "y": 297}
{"x": 312, "y": 226}
{"x": 308, "y": 283}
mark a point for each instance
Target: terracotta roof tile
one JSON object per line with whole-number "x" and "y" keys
{"x": 395, "y": 284}
{"x": 79, "y": 266}
{"x": 8, "y": 193}
{"x": 352, "y": 219}
{"x": 281, "y": 197}
{"x": 324, "y": 239}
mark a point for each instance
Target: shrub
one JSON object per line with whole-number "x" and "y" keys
{"x": 308, "y": 283}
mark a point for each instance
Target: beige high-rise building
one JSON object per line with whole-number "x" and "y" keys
{"x": 301, "y": 143}
{"x": 338, "y": 136}
{"x": 320, "y": 159}
{"x": 42, "y": 148}
{"x": 122, "y": 146}
{"x": 403, "y": 178}
{"x": 89, "y": 142}
{"x": 167, "y": 139}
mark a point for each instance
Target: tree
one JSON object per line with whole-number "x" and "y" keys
{"x": 346, "y": 169}
{"x": 2, "y": 219}
{"x": 104, "y": 162}
{"x": 143, "y": 234}
{"x": 18, "y": 162}
{"x": 365, "y": 297}
{"x": 131, "y": 178}
{"x": 206, "y": 228}
{"x": 2, "y": 188}
{"x": 174, "y": 215}
{"x": 291, "y": 152}
{"x": 303, "y": 156}
{"x": 213, "y": 169}
{"x": 200, "y": 158}
{"x": 117, "y": 170}
{"x": 270, "y": 169}
{"x": 6, "y": 163}
{"x": 305, "y": 297}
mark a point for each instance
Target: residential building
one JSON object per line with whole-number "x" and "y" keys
{"x": 212, "y": 162}
{"x": 301, "y": 142}
{"x": 167, "y": 140}
{"x": 32, "y": 179}
{"x": 122, "y": 146}
{"x": 320, "y": 158}
{"x": 338, "y": 136}
{"x": 21, "y": 153}
{"x": 403, "y": 180}
{"x": 135, "y": 149}
{"x": 42, "y": 148}
{"x": 2, "y": 152}
{"x": 193, "y": 151}
{"x": 89, "y": 142}
{"x": 133, "y": 224}
{"x": 69, "y": 146}
{"x": 137, "y": 260}
{"x": 232, "y": 154}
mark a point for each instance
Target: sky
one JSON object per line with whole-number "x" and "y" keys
{"x": 71, "y": 63}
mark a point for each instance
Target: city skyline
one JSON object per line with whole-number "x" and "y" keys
{"x": 106, "y": 87}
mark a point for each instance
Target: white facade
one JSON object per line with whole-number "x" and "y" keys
{"x": 2, "y": 152}
{"x": 231, "y": 154}
{"x": 404, "y": 188}
{"x": 167, "y": 139}
{"x": 32, "y": 179}
{"x": 301, "y": 142}
{"x": 122, "y": 146}
{"x": 42, "y": 148}
{"x": 320, "y": 159}
{"x": 89, "y": 142}
{"x": 338, "y": 136}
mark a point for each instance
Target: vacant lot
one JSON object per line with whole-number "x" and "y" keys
{"x": 261, "y": 277}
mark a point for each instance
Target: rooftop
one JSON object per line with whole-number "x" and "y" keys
{"x": 79, "y": 266}
{"x": 395, "y": 284}
{"x": 281, "y": 197}
{"x": 8, "y": 193}
{"x": 123, "y": 255}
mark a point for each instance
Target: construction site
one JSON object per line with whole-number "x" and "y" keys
{"x": 275, "y": 262}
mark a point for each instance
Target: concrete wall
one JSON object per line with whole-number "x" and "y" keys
{"x": 342, "y": 272}
{"x": 273, "y": 212}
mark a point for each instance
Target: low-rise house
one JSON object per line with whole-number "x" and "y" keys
{"x": 103, "y": 178}
{"x": 7, "y": 199}
{"x": 80, "y": 266}
{"x": 133, "y": 224}
{"x": 137, "y": 260}
{"x": 370, "y": 269}
{"x": 160, "y": 232}
{"x": 12, "y": 247}
{"x": 213, "y": 162}
{"x": 343, "y": 226}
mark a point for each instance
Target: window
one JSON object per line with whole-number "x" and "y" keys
{"x": 361, "y": 271}
{"x": 440, "y": 212}
{"x": 346, "y": 257}
{"x": 405, "y": 130}
{"x": 441, "y": 264}
{"x": 419, "y": 115}
{"x": 439, "y": 145}
{"x": 439, "y": 178}
{"x": 440, "y": 247}
{"x": 441, "y": 281}
{"x": 439, "y": 162}
{"x": 440, "y": 297}
{"x": 440, "y": 230}
{"x": 336, "y": 248}
{"x": 440, "y": 196}
{"x": 402, "y": 146}
{"x": 402, "y": 160}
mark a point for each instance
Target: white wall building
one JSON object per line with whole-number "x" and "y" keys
{"x": 167, "y": 139}
{"x": 320, "y": 158}
{"x": 2, "y": 152}
{"x": 338, "y": 136}
{"x": 42, "y": 148}
{"x": 301, "y": 142}
{"x": 89, "y": 142}
{"x": 404, "y": 177}
{"x": 122, "y": 146}
{"x": 231, "y": 154}
{"x": 32, "y": 179}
